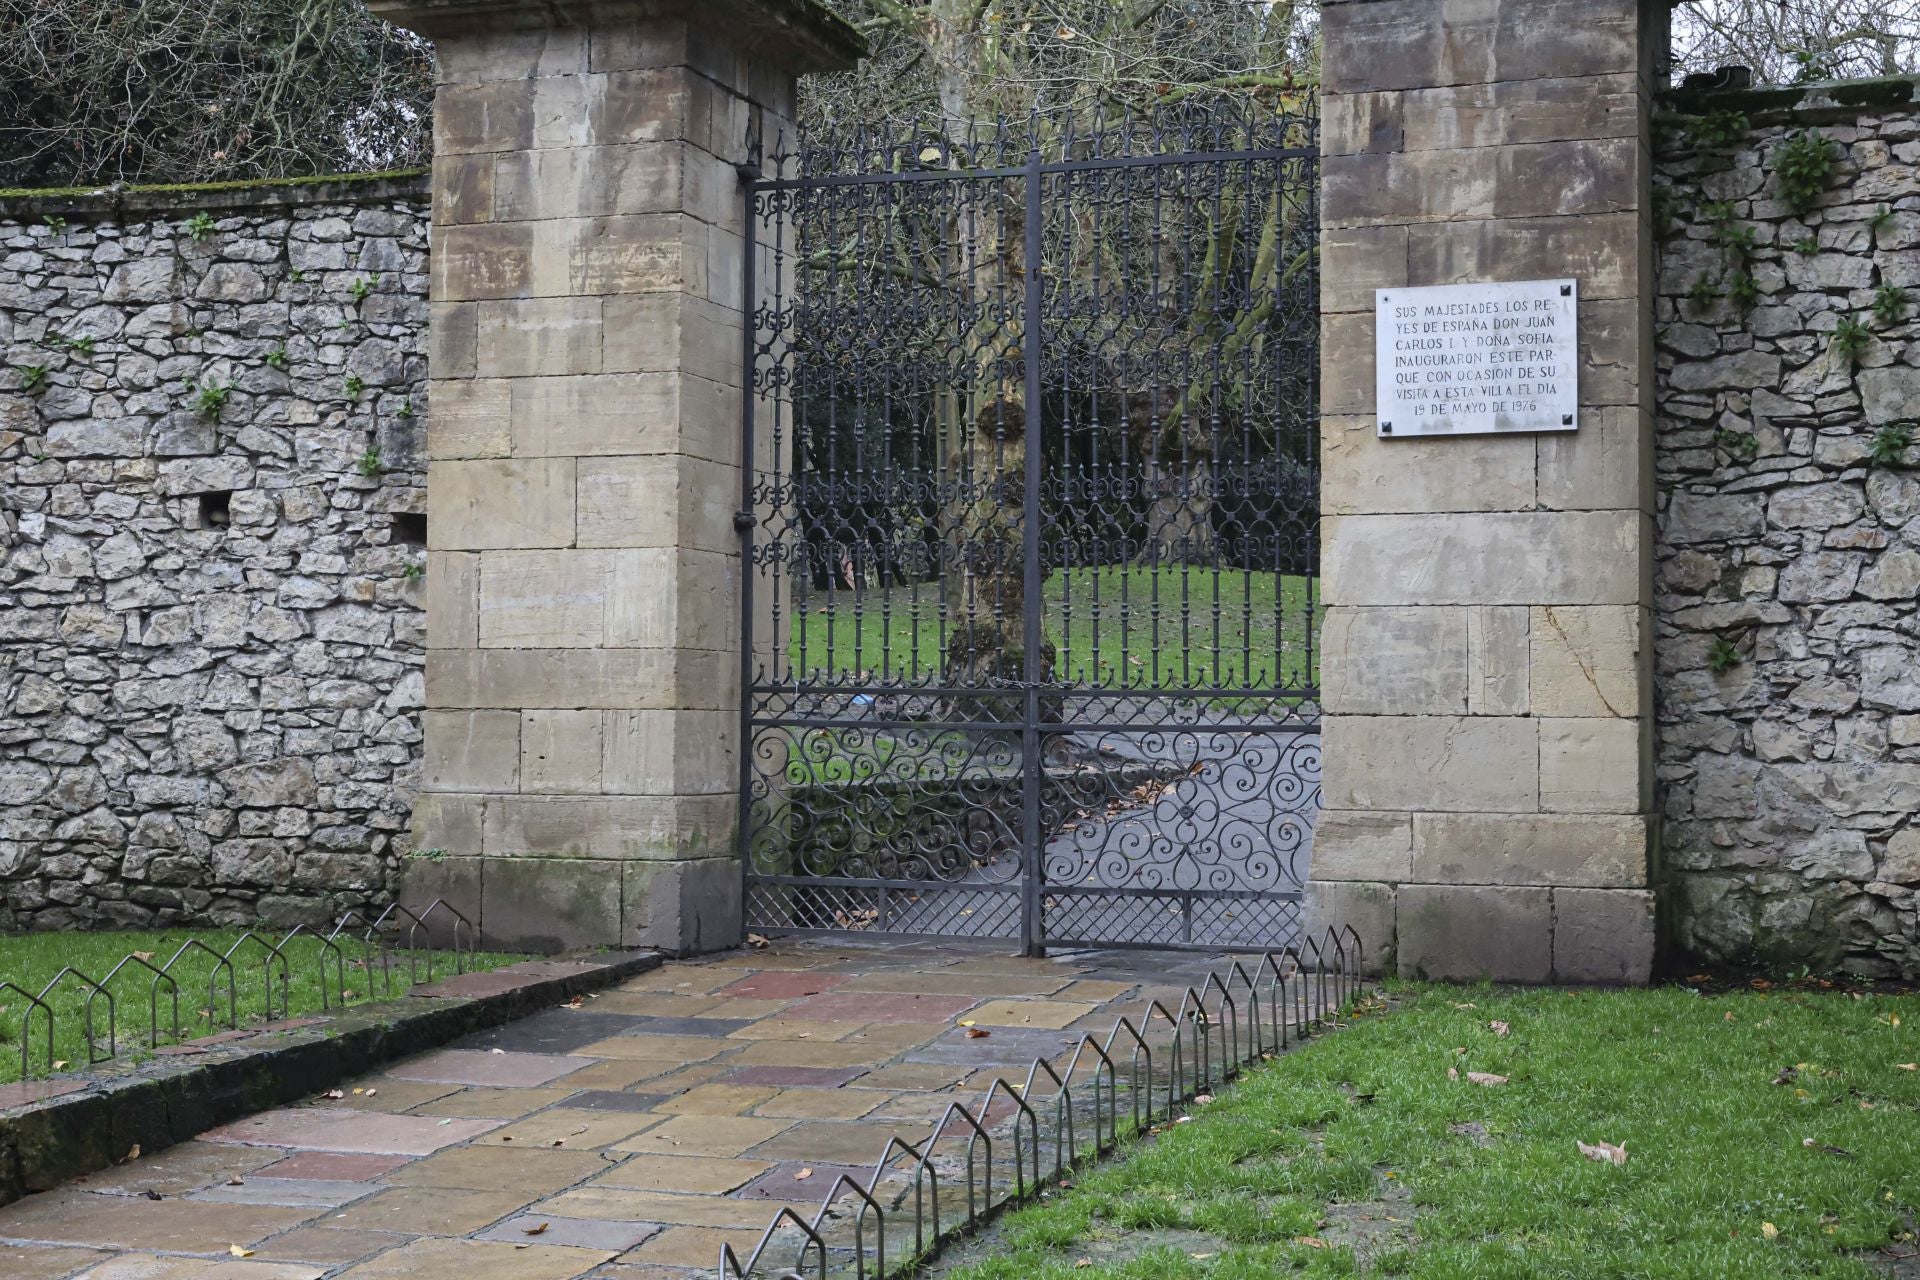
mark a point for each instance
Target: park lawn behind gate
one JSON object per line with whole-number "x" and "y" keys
{"x": 1767, "y": 1135}
{"x": 1185, "y": 627}
{"x": 32, "y": 960}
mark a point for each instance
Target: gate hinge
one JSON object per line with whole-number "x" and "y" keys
{"x": 743, "y": 521}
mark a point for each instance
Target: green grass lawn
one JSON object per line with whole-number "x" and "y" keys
{"x": 1179, "y": 627}
{"x": 31, "y": 960}
{"x": 1767, "y": 1135}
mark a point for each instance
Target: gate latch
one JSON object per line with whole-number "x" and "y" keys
{"x": 743, "y": 521}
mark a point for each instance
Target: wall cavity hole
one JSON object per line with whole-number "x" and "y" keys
{"x": 216, "y": 510}
{"x": 410, "y": 528}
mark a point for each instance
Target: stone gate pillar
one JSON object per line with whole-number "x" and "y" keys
{"x": 1489, "y": 774}
{"x": 580, "y": 779}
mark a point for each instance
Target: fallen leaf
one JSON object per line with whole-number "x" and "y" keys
{"x": 534, "y": 1230}
{"x": 1312, "y": 1242}
{"x": 1827, "y": 1147}
{"x": 358, "y": 1092}
{"x": 1082, "y": 1262}
{"x": 803, "y": 1175}
{"x": 151, "y": 1194}
{"x": 133, "y": 1153}
{"x": 557, "y": 1142}
{"x": 138, "y": 955}
{"x": 1486, "y": 1078}
{"x": 575, "y": 1003}
{"x": 1460, "y": 1006}
{"x": 1202, "y": 1099}
{"x": 371, "y": 1092}
{"x": 1498, "y": 1028}
{"x": 333, "y": 1094}
{"x": 966, "y": 1023}
{"x": 496, "y": 1051}
{"x": 1908, "y": 1066}
{"x": 754, "y": 940}
{"x": 1786, "y": 1075}
{"x": 978, "y": 1033}
{"x": 61, "y": 1064}
{"x": 1770, "y": 1231}
{"x": 1183, "y": 1120}
{"x": 236, "y": 1181}
{"x": 1199, "y": 1257}
{"x": 1604, "y": 1152}
{"x": 1453, "y": 1073}
{"x": 238, "y": 1252}
{"x": 929, "y": 155}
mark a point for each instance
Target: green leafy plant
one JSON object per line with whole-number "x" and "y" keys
{"x": 405, "y": 410}
{"x": 83, "y": 344}
{"x": 368, "y": 463}
{"x": 32, "y": 376}
{"x": 1703, "y": 293}
{"x": 1743, "y": 240}
{"x": 1803, "y": 165}
{"x": 55, "y": 223}
{"x": 1881, "y": 218}
{"x": 362, "y": 286}
{"x": 211, "y": 398}
{"x": 1850, "y": 339}
{"x": 1718, "y": 211}
{"x": 1718, "y": 130}
{"x": 414, "y": 571}
{"x": 297, "y": 276}
{"x": 1810, "y": 66}
{"x": 1743, "y": 288}
{"x": 355, "y": 385}
{"x": 1723, "y": 656}
{"x": 1665, "y": 205}
{"x": 1889, "y": 303}
{"x": 1741, "y": 444}
{"x": 277, "y": 358}
{"x": 1890, "y": 444}
{"x": 199, "y": 226}
{"x": 1807, "y": 246}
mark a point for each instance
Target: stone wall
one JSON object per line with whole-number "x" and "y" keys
{"x": 1788, "y": 638}
{"x": 211, "y": 634}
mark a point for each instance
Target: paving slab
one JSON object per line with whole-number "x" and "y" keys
{"x": 337, "y": 1129}
{"x": 643, "y": 1129}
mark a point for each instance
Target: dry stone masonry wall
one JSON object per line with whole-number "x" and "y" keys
{"x": 1788, "y": 641}
{"x": 211, "y": 483}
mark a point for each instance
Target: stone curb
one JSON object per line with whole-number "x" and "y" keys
{"x": 69, "y": 1131}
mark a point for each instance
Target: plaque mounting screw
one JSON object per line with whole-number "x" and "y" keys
{"x": 1566, "y": 291}
{"x": 1566, "y": 419}
{"x": 1386, "y": 428}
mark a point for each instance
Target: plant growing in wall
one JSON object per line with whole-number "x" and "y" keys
{"x": 277, "y": 357}
{"x": 1718, "y": 131}
{"x": 362, "y": 286}
{"x": 1807, "y": 246}
{"x": 1803, "y": 166}
{"x": 355, "y": 385}
{"x": 32, "y": 376}
{"x": 368, "y": 464}
{"x": 406, "y": 408}
{"x": 199, "y": 226}
{"x": 1723, "y": 655}
{"x": 82, "y": 345}
{"x": 1850, "y": 339}
{"x": 1890, "y": 444}
{"x": 1741, "y": 444}
{"x": 1703, "y": 293}
{"x": 1889, "y": 303}
{"x": 414, "y": 571}
{"x": 55, "y": 223}
{"x": 1881, "y": 219}
{"x": 211, "y": 398}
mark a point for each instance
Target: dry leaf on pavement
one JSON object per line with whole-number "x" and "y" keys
{"x": 534, "y": 1230}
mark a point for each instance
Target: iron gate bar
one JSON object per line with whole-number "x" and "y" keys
{"x": 850, "y": 768}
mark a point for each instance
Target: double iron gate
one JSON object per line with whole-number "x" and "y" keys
{"x": 1030, "y": 534}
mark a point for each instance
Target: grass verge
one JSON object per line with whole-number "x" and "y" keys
{"x": 1767, "y": 1135}
{"x": 1183, "y": 627}
{"x": 32, "y": 960}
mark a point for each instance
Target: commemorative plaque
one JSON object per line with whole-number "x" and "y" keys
{"x": 1478, "y": 359}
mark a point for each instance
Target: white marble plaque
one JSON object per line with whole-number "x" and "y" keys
{"x": 1475, "y": 359}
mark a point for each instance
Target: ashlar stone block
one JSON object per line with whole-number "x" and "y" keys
{"x": 1451, "y": 933}
{"x": 1432, "y": 763}
{"x": 497, "y": 504}
{"x": 1410, "y": 661}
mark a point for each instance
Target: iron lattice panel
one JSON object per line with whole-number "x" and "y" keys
{"x": 1030, "y": 532}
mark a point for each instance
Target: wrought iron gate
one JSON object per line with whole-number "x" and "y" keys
{"x": 1030, "y": 532}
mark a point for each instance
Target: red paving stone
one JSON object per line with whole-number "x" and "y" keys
{"x": 29, "y": 1091}
{"x": 450, "y": 1196}
{"x": 342, "y": 1166}
{"x": 339, "y": 1129}
{"x": 783, "y": 985}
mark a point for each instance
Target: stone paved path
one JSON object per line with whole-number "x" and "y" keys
{"x": 625, "y": 1139}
